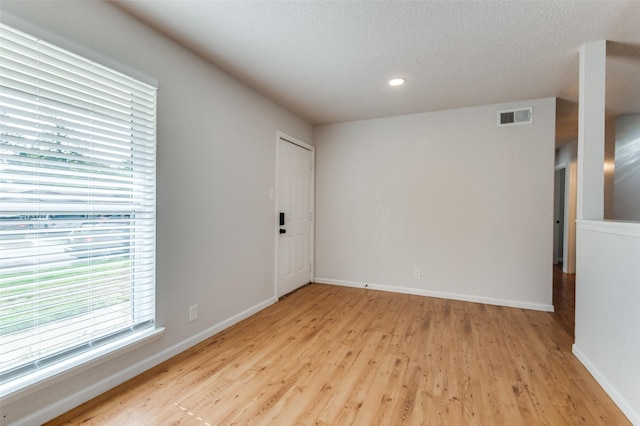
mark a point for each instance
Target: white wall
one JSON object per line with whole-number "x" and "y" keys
{"x": 216, "y": 163}
{"x": 449, "y": 193}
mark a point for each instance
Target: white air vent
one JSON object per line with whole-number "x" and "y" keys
{"x": 515, "y": 116}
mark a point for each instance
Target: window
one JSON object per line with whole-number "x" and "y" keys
{"x": 77, "y": 205}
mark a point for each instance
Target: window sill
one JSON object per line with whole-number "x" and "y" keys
{"x": 33, "y": 382}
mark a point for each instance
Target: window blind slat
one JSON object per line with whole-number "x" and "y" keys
{"x": 31, "y": 125}
{"x": 32, "y": 88}
{"x": 21, "y": 101}
{"x": 83, "y": 133}
{"x": 80, "y": 172}
{"x": 143, "y": 263}
{"x": 31, "y": 144}
{"x": 90, "y": 85}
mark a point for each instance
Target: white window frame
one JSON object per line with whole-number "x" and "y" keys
{"x": 19, "y": 386}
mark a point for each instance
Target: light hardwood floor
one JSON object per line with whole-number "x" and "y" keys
{"x": 564, "y": 299}
{"x": 329, "y": 355}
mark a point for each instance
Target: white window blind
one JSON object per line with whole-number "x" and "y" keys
{"x": 77, "y": 204}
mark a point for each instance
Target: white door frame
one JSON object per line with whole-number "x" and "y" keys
{"x": 570, "y": 213}
{"x": 570, "y": 196}
{"x": 281, "y": 135}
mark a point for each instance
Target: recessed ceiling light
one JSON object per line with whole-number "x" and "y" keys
{"x": 397, "y": 82}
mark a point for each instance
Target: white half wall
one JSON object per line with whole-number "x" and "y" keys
{"x": 449, "y": 193}
{"x": 216, "y": 165}
{"x": 607, "y": 269}
{"x": 607, "y": 315}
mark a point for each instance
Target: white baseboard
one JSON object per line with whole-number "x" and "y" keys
{"x": 71, "y": 401}
{"x": 439, "y": 294}
{"x": 625, "y": 407}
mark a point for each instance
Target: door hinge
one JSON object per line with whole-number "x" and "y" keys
{"x": 311, "y": 164}
{"x": 311, "y": 216}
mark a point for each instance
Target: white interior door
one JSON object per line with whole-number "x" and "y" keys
{"x": 294, "y": 201}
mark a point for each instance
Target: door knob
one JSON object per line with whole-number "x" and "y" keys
{"x": 283, "y": 231}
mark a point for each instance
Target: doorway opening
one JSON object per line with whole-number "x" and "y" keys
{"x": 559, "y": 215}
{"x": 564, "y": 243}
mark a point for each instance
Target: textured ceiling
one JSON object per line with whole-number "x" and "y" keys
{"x": 329, "y": 61}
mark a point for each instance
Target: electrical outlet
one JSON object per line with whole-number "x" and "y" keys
{"x": 416, "y": 274}
{"x": 193, "y": 312}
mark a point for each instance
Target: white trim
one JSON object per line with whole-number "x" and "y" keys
{"x": 295, "y": 141}
{"x": 281, "y": 135}
{"x": 24, "y": 386}
{"x": 627, "y": 229}
{"x": 618, "y": 399}
{"x": 570, "y": 206}
{"x": 71, "y": 401}
{"x": 561, "y": 166}
{"x": 439, "y": 294}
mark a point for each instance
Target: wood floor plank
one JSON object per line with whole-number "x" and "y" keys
{"x": 328, "y": 355}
